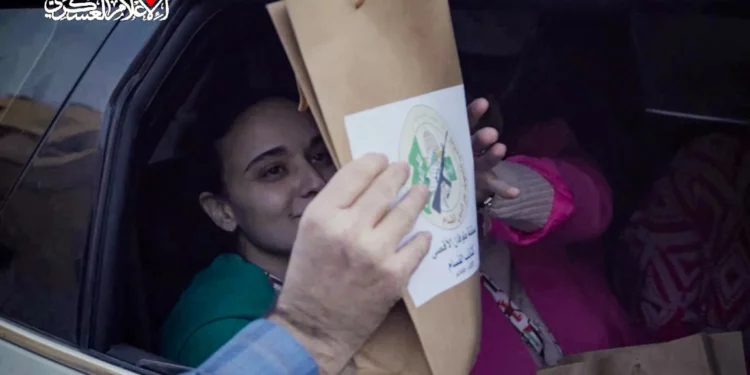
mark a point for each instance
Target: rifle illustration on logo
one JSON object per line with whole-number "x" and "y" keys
{"x": 437, "y": 199}
{"x": 433, "y": 169}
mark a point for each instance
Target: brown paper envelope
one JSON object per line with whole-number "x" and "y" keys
{"x": 283, "y": 27}
{"x": 394, "y": 348}
{"x": 578, "y": 368}
{"x": 687, "y": 356}
{"x": 728, "y": 353}
{"x": 383, "y": 52}
{"x": 303, "y": 105}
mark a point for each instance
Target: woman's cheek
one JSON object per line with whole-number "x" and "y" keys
{"x": 327, "y": 172}
{"x": 259, "y": 201}
{"x": 275, "y": 200}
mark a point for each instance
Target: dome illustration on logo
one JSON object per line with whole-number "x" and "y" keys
{"x": 429, "y": 148}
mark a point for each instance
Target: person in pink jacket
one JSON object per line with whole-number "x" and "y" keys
{"x": 542, "y": 300}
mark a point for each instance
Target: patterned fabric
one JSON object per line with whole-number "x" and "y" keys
{"x": 502, "y": 290}
{"x": 262, "y": 348}
{"x": 533, "y": 333}
{"x": 690, "y": 243}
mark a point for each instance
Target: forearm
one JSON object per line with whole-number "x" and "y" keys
{"x": 330, "y": 355}
{"x": 263, "y": 348}
{"x": 575, "y": 203}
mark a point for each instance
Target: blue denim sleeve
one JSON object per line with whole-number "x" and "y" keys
{"x": 263, "y": 347}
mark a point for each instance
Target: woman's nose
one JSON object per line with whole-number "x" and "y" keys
{"x": 311, "y": 181}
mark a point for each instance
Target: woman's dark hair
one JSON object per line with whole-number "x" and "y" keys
{"x": 250, "y": 65}
{"x": 215, "y": 118}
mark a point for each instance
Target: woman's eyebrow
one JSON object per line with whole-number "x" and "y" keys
{"x": 274, "y": 152}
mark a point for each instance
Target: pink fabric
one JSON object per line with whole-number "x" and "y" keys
{"x": 501, "y": 350}
{"x": 569, "y": 292}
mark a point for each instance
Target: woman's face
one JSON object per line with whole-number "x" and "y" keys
{"x": 274, "y": 163}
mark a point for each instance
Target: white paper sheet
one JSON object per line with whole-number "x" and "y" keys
{"x": 431, "y": 133}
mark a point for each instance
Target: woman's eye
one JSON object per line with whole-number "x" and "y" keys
{"x": 322, "y": 157}
{"x": 273, "y": 172}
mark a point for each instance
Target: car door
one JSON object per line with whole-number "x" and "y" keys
{"x": 82, "y": 106}
{"x": 55, "y": 82}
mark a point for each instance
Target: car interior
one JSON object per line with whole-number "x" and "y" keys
{"x": 626, "y": 98}
{"x": 170, "y": 238}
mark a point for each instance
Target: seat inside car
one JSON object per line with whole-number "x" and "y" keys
{"x": 177, "y": 239}
{"x": 173, "y": 240}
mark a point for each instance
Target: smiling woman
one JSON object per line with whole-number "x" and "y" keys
{"x": 261, "y": 162}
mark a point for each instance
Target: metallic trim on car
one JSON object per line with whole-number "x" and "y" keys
{"x": 55, "y": 351}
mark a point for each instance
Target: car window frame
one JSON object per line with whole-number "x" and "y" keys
{"x": 135, "y": 116}
{"x": 131, "y": 118}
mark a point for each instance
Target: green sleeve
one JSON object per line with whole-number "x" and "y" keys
{"x": 208, "y": 339}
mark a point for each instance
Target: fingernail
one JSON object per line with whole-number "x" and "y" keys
{"x": 381, "y": 160}
{"x": 404, "y": 166}
{"x": 514, "y": 191}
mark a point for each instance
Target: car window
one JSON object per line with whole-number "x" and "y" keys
{"x": 40, "y": 61}
{"x": 49, "y": 198}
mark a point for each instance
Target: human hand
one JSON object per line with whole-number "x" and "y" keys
{"x": 488, "y": 152}
{"x": 345, "y": 272}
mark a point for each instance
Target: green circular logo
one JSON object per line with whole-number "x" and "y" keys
{"x": 429, "y": 148}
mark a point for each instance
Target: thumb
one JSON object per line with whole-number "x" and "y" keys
{"x": 408, "y": 258}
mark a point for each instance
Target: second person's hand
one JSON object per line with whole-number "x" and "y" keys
{"x": 488, "y": 153}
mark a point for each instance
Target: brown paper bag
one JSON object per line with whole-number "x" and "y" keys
{"x": 727, "y": 353}
{"x": 717, "y": 354}
{"x": 348, "y": 59}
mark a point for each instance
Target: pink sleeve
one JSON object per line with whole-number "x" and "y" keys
{"x": 582, "y": 207}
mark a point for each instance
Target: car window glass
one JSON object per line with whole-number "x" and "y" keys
{"x": 44, "y": 221}
{"x": 40, "y": 61}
